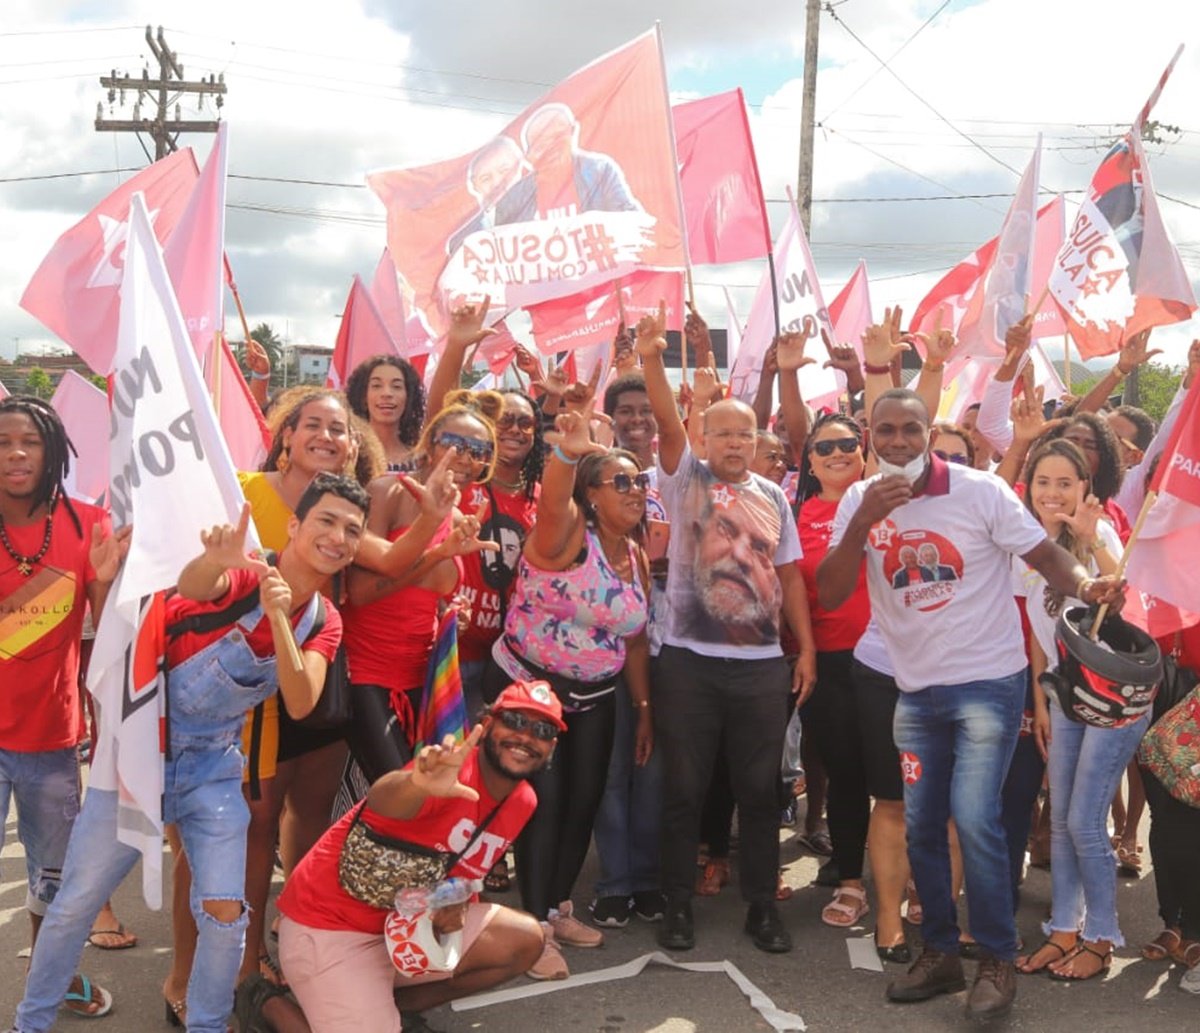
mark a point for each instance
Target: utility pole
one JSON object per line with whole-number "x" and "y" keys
{"x": 808, "y": 114}
{"x": 168, "y": 88}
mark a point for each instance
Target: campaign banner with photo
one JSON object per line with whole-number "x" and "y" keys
{"x": 579, "y": 189}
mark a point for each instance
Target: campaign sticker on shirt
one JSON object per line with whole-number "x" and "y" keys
{"x": 910, "y": 768}
{"x": 925, "y": 567}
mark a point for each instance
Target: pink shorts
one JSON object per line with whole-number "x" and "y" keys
{"x": 344, "y": 979}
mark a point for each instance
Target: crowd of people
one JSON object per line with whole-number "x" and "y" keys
{"x": 653, "y": 591}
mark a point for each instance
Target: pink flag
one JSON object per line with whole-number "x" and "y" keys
{"x": 579, "y": 189}
{"x": 83, "y": 408}
{"x": 242, "y": 424}
{"x": 195, "y": 252}
{"x": 592, "y": 317}
{"x": 408, "y": 332}
{"x": 963, "y": 383}
{"x": 1006, "y": 283}
{"x": 733, "y": 332}
{"x": 1051, "y": 232}
{"x": 499, "y": 348}
{"x": 718, "y": 174}
{"x": 74, "y": 291}
{"x": 850, "y": 311}
{"x": 361, "y": 335}
{"x": 1118, "y": 272}
{"x": 801, "y": 309}
{"x": 3, "y": 392}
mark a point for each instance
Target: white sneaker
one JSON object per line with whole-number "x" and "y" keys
{"x": 1190, "y": 980}
{"x": 550, "y": 963}
{"x": 569, "y": 930}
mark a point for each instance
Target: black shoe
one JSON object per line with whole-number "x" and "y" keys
{"x": 969, "y": 950}
{"x": 898, "y": 953}
{"x": 612, "y": 912}
{"x": 679, "y": 931}
{"x": 828, "y": 875}
{"x": 766, "y": 928}
{"x": 931, "y": 974}
{"x": 650, "y": 905}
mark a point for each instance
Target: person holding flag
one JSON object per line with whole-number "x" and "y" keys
{"x": 59, "y": 558}
{"x": 232, "y": 615}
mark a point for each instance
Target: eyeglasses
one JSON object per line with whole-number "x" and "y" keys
{"x": 480, "y": 451}
{"x": 515, "y": 721}
{"x": 953, "y": 457}
{"x": 825, "y": 448}
{"x": 510, "y": 419}
{"x": 623, "y": 484}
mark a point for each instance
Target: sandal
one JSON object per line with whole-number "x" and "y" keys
{"x": 90, "y": 1001}
{"x": 176, "y": 1013}
{"x": 841, "y": 914}
{"x": 782, "y": 890}
{"x": 498, "y": 880}
{"x": 112, "y": 939}
{"x": 714, "y": 876}
{"x": 252, "y": 993}
{"x": 1025, "y": 965}
{"x": 1163, "y": 945}
{"x": 1188, "y": 954}
{"x": 1129, "y": 861}
{"x": 913, "y": 914}
{"x": 1081, "y": 949}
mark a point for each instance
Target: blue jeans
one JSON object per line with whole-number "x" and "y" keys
{"x": 956, "y": 742}
{"x": 203, "y": 796}
{"x": 1086, "y": 765}
{"x": 627, "y": 824}
{"x": 45, "y": 785}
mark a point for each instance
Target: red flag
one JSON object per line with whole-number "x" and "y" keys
{"x": 1118, "y": 272}
{"x": 195, "y": 252}
{"x": 850, "y": 311}
{"x": 408, "y": 332}
{"x": 591, "y": 317}
{"x": 580, "y": 189}
{"x": 499, "y": 348}
{"x": 361, "y": 335}
{"x": 1178, "y": 470}
{"x": 1050, "y": 234}
{"x": 242, "y": 424}
{"x": 83, "y": 408}
{"x": 74, "y": 291}
{"x": 722, "y": 196}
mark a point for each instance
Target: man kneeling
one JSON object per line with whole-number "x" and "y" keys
{"x": 453, "y": 810}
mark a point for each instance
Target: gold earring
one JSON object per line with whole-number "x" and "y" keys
{"x": 284, "y": 461}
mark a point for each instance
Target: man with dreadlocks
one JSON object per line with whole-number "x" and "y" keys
{"x": 55, "y": 555}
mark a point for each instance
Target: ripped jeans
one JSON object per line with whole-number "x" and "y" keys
{"x": 203, "y": 797}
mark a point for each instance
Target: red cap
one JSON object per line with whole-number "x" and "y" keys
{"x": 534, "y": 696}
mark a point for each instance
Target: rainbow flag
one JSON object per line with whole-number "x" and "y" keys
{"x": 443, "y": 711}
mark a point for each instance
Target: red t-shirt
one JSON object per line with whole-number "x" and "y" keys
{"x": 41, "y": 623}
{"x": 314, "y": 897}
{"x": 486, "y": 575}
{"x": 841, "y": 628}
{"x": 242, "y": 583}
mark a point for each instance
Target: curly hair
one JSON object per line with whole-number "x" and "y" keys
{"x": 409, "y": 428}
{"x": 809, "y": 485}
{"x": 370, "y": 462}
{"x": 535, "y": 461}
{"x": 1109, "y": 468}
{"x": 57, "y": 450}
{"x": 285, "y": 411}
{"x": 484, "y": 406}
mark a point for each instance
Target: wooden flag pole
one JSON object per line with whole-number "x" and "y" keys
{"x": 1147, "y": 505}
{"x": 216, "y": 356}
{"x": 281, "y": 624}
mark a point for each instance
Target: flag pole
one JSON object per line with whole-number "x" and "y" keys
{"x": 281, "y": 624}
{"x": 1067, "y": 362}
{"x": 1147, "y": 505}
{"x": 216, "y": 355}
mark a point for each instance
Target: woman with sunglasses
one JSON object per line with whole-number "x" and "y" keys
{"x": 1085, "y": 762}
{"x": 386, "y": 391}
{"x": 954, "y": 444}
{"x": 577, "y": 619}
{"x": 391, "y": 623}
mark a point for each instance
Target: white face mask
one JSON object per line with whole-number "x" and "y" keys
{"x": 910, "y": 471}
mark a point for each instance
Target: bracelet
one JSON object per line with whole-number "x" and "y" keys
{"x": 1117, "y": 372}
{"x": 640, "y": 704}
{"x": 868, "y": 368}
{"x": 927, "y": 368}
{"x": 1097, "y": 545}
{"x": 562, "y": 457}
{"x": 1081, "y": 587}
{"x": 260, "y": 376}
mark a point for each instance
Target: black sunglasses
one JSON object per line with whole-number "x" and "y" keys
{"x": 521, "y": 422}
{"x": 825, "y": 448}
{"x": 623, "y": 484}
{"x": 518, "y": 722}
{"x": 480, "y": 451}
{"x": 953, "y": 457}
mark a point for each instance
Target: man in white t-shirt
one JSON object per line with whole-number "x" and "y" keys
{"x": 721, "y": 675}
{"x": 960, "y": 663}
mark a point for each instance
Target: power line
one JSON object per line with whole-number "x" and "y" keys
{"x": 67, "y": 32}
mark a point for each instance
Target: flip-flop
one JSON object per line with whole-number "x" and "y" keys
{"x": 125, "y": 939}
{"x": 78, "y": 1003}
{"x": 1083, "y": 948}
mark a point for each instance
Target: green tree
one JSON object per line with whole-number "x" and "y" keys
{"x": 38, "y": 382}
{"x": 1156, "y": 387}
{"x": 100, "y": 380}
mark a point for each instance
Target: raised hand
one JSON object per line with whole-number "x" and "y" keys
{"x": 257, "y": 359}
{"x": 789, "y": 351}
{"x": 555, "y": 382}
{"x": 695, "y": 331}
{"x": 464, "y": 539}
{"x": 107, "y": 552}
{"x": 1017, "y": 340}
{"x": 275, "y": 593}
{"x": 624, "y": 357}
{"x": 883, "y": 342}
{"x": 571, "y": 434}
{"x": 939, "y": 345}
{"x": 225, "y": 546}
{"x": 706, "y": 386}
{"x": 529, "y": 364}
{"x": 1134, "y": 352}
{"x": 1028, "y": 423}
{"x": 1084, "y": 520}
{"x": 651, "y": 336}
{"x": 466, "y": 324}
{"x": 578, "y": 396}
{"x": 439, "y": 495}
{"x": 435, "y": 769}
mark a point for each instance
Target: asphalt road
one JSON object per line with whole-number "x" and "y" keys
{"x": 815, "y": 980}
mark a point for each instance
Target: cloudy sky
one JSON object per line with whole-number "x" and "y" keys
{"x": 327, "y": 91}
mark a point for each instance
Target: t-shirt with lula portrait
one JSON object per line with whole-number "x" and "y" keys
{"x": 723, "y": 594}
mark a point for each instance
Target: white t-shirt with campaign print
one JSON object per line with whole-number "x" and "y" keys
{"x": 938, "y": 570}
{"x": 723, "y": 595}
